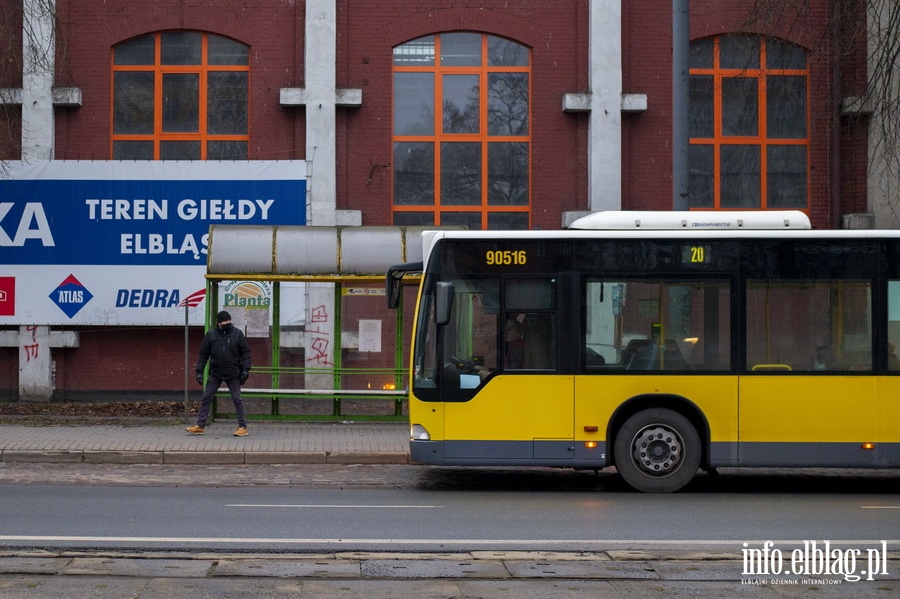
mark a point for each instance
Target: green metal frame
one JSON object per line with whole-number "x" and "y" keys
{"x": 276, "y": 370}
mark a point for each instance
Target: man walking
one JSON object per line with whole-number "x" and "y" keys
{"x": 228, "y": 353}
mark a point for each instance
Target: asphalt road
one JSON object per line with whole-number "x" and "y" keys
{"x": 287, "y": 531}
{"x": 417, "y": 508}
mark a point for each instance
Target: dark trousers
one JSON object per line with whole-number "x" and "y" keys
{"x": 212, "y": 385}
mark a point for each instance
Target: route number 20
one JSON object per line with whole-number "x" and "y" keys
{"x": 697, "y": 255}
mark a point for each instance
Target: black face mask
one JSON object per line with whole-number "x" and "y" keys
{"x": 226, "y": 327}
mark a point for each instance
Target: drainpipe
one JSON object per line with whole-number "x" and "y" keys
{"x": 681, "y": 40}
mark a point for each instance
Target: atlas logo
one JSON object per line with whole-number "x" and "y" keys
{"x": 71, "y": 296}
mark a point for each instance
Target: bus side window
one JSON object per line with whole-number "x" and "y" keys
{"x": 529, "y": 343}
{"x": 531, "y": 304}
{"x": 893, "y": 362}
{"x": 538, "y": 345}
{"x": 809, "y": 325}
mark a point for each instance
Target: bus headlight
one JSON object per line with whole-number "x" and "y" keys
{"x": 417, "y": 432}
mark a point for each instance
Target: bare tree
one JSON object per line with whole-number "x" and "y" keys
{"x": 858, "y": 30}
{"x": 882, "y": 98}
{"x": 28, "y": 45}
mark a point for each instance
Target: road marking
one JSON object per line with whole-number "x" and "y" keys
{"x": 337, "y": 505}
{"x": 509, "y": 542}
{"x": 880, "y": 507}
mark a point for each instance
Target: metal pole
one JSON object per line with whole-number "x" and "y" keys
{"x": 681, "y": 40}
{"x": 187, "y": 363}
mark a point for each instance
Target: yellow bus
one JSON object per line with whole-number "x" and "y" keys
{"x": 658, "y": 343}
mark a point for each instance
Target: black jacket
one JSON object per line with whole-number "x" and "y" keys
{"x": 227, "y": 351}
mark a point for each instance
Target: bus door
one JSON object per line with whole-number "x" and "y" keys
{"x": 659, "y": 341}
{"x": 807, "y": 394}
{"x": 511, "y": 403}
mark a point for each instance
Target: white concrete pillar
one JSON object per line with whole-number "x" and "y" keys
{"x": 605, "y": 132}
{"x": 320, "y": 60}
{"x": 38, "y": 66}
{"x": 35, "y": 343}
{"x": 320, "y": 335}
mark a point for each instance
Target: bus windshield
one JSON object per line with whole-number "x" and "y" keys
{"x": 495, "y": 325}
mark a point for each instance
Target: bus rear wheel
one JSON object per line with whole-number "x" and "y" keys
{"x": 657, "y": 451}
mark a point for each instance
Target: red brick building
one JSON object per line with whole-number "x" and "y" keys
{"x": 489, "y": 114}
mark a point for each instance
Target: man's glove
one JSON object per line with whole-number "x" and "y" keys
{"x": 245, "y": 374}
{"x": 199, "y": 378}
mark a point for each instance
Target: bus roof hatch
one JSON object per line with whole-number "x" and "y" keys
{"x": 705, "y": 220}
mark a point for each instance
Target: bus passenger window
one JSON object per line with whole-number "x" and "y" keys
{"x": 893, "y": 325}
{"x": 659, "y": 325}
{"x": 809, "y": 325}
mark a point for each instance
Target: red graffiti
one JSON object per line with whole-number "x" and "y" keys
{"x": 320, "y": 346}
{"x": 31, "y": 351}
{"x": 319, "y": 314}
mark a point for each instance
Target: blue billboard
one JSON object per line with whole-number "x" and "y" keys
{"x": 139, "y": 213}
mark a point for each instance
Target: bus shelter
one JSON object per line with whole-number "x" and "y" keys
{"x": 311, "y": 301}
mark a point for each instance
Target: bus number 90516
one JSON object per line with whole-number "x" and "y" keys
{"x": 505, "y": 257}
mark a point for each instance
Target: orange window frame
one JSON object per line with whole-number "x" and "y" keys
{"x": 761, "y": 139}
{"x": 482, "y": 137}
{"x": 159, "y": 70}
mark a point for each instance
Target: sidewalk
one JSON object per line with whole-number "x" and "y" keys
{"x": 669, "y": 571}
{"x": 354, "y": 575}
{"x": 268, "y": 443}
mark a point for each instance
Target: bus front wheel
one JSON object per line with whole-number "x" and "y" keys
{"x": 657, "y": 451}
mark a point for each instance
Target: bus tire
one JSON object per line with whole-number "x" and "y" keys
{"x": 657, "y": 451}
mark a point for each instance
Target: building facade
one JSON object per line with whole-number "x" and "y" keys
{"x": 492, "y": 114}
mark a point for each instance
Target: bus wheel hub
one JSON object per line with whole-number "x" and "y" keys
{"x": 657, "y": 450}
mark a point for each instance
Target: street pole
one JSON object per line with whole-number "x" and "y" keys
{"x": 186, "y": 361}
{"x": 681, "y": 40}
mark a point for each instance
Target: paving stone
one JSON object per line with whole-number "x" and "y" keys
{"x": 69, "y": 587}
{"x": 541, "y": 555}
{"x": 122, "y": 457}
{"x": 305, "y": 568}
{"x": 203, "y": 457}
{"x": 284, "y": 457}
{"x": 698, "y": 570}
{"x": 377, "y": 589}
{"x": 580, "y": 569}
{"x": 32, "y": 565}
{"x": 111, "y": 566}
{"x": 12, "y": 455}
{"x": 356, "y": 457}
{"x": 433, "y": 568}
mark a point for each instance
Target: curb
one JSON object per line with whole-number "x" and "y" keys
{"x": 203, "y": 457}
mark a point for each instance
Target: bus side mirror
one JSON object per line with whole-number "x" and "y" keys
{"x": 394, "y": 277}
{"x": 393, "y": 289}
{"x": 443, "y": 302}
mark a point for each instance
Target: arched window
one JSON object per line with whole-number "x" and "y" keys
{"x": 180, "y": 95}
{"x": 748, "y": 124}
{"x": 462, "y": 132}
